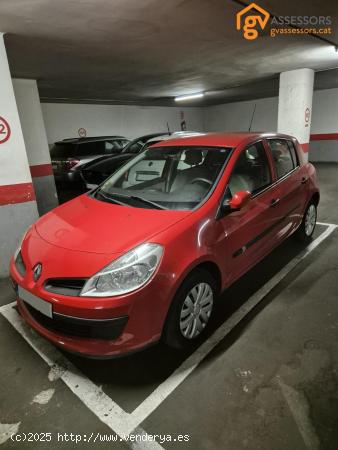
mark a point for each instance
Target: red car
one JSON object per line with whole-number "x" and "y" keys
{"x": 144, "y": 256}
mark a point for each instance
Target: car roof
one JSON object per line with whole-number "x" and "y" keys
{"x": 231, "y": 139}
{"x": 150, "y": 136}
{"x": 83, "y": 140}
{"x": 176, "y": 135}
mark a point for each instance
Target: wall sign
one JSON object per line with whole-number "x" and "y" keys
{"x": 307, "y": 116}
{"x": 82, "y": 132}
{"x": 5, "y": 130}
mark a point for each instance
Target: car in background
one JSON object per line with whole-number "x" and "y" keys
{"x": 145, "y": 256}
{"x": 95, "y": 172}
{"x": 69, "y": 155}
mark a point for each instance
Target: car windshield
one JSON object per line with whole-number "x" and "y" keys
{"x": 177, "y": 178}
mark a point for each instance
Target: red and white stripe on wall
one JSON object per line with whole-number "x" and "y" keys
{"x": 41, "y": 170}
{"x": 319, "y": 137}
{"x": 16, "y": 193}
{"x": 23, "y": 192}
{"x": 324, "y": 137}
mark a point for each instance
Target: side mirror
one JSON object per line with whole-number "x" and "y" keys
{"x": 237, "y": 202}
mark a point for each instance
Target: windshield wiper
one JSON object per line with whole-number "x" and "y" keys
{"x": 112, "y": 198}
{"x": 138, "y": 198}
{"x": 147, "y": 202}
{"x": 109, "y": 199}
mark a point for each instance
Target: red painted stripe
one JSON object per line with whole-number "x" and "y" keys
{"x": 305, "y": 147}
{"x": 324, "y": 137}
{"x": 41, "y": 170}
{"x": 16, "y": 193}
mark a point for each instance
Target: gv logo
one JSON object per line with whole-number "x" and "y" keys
{"x": 252, "y": 21}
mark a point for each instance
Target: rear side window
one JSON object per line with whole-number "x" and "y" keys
{"x": 91, "y": 148}
{"x": 283, "y": 159}
{"x": 96, "y": 148}
{"x": 293, "y": 153}
{"x": 114, "y": 146}
{"x": 134, "y": 147}
{"x": 61, "y": 150}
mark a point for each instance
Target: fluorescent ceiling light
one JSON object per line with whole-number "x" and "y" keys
{"x": 182, "y": 98}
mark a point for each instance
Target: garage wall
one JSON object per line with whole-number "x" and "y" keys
{"x": 237, "y": 116}
{"x": 324, "y": 127}
{"x": 64, "y": 120}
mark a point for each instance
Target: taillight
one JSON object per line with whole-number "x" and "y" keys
{"x": 71, "y": 162}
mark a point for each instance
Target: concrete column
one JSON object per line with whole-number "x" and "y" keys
{"x": 34, "y": 133}
{"x": 17, "y": 197}
{"x": 295, "y": 105}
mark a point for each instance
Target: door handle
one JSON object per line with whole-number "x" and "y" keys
{"x": 304, "y": 180}
{"x": 274, "y": 201}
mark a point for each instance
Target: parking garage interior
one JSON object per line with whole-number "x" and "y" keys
{"x": 84, "y": 88}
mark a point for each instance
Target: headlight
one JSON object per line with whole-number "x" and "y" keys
{"x": 125, "y": 274}
{"x": 17, "y": 251}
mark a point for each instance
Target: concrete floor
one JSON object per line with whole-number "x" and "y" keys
{"x": 271, "y": 383}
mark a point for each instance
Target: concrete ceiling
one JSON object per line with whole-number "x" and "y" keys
{"x": 148, "y": 51}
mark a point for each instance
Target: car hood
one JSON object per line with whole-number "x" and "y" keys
{"x": 89, "y": 225}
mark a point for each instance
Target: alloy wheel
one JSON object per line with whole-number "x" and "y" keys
{"x": 310, "y": 220}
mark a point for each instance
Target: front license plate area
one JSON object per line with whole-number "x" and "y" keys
{"x": 41, "y": 305}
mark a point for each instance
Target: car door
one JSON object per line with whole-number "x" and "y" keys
{"x": 248, "y": 234}
{"x": 290, "y": 181}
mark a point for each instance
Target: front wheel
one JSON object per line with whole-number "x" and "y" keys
{"x": 190, "y": 311}
{"x": 308, "y": 225}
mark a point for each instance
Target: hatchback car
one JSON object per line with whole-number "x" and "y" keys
{"x": 145, "y": 255}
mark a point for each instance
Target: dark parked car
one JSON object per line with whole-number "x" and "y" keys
{"x": 95, "y": 172}
{"x": 69, "y": 155}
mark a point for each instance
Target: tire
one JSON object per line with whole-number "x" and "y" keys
{"x": 186, "y": 324}
{"x": 308, "y": 225}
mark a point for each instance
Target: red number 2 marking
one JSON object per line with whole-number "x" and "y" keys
{"x": 5, "y": 130}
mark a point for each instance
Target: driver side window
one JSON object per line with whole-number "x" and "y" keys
{"x": 251, "y": 172}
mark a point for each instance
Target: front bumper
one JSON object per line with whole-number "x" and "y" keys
{"x": 97, "y": 327}
{"x": 105, "y": 329}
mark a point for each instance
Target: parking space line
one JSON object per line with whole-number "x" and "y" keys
{"x": 109, "y": 412}
{"x": 300, "y": 411}
{"x": 324, "y": 224}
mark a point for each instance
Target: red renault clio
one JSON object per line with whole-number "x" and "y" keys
{"x": 144, "y": 256}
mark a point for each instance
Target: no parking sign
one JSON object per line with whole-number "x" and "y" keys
{"x": 82, "y": 132}
{"x": 5, "y": 130}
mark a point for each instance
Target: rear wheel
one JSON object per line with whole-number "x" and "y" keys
{"x": 308, "y": 225}
{"x": 190, "y": 311}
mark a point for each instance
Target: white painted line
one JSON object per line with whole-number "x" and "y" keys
{"x": 326, "y": 224}
{"x": 44, "y": 397}
{"x": 7, "y": 429}
{"x": 300, "y": 411}
{"x": 180, "y": 374}
{"x": 109, "y": 412}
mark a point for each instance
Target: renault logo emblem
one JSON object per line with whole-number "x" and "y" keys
{"x": 37, "y": 271}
